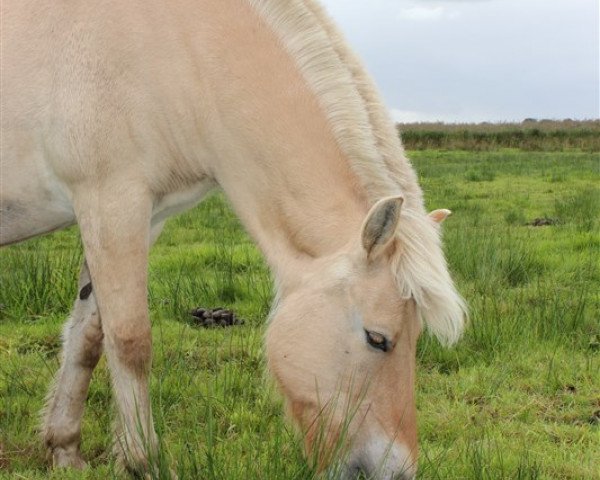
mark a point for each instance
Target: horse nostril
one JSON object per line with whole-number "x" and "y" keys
{"x": 359, "y": 473}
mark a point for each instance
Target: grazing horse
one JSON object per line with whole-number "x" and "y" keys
{"x": 117, "y": 115}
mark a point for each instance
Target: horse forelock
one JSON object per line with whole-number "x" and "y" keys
{"x": 366, "y": 134}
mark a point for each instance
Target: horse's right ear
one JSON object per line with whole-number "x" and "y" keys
{"x": 438, "y": 216}
{"x": 379, "y": 227}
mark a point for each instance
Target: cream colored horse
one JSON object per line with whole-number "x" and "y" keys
{"x": 117, "y": 115}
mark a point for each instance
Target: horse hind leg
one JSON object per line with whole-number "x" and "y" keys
{"x": 82, "y": 348}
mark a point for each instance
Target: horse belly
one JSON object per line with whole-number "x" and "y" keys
{"x": 32, "y": 202}
{"x": 20, "y": 220}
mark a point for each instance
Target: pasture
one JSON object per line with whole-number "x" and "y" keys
{"x": 518, "y": 397}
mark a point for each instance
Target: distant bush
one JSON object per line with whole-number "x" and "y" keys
{"x": 530, "y": 135}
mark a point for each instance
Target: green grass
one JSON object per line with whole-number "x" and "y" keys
{"x": 518, "y": 398}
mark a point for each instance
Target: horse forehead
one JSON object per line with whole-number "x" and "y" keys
{"x": 360, "y": 285}
{"x": 342, "y": 269}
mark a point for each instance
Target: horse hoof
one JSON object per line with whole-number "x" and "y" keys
{"x": 67, "y": 458}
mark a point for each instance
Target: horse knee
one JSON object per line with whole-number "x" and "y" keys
{"x": 132, "y": 346}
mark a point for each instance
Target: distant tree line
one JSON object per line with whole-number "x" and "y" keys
{"x": 531, "y": 134}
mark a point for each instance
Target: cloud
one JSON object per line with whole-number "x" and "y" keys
{"x": 420, "y": 13}
{"x": 434, "y": 10}
{"x": 479, "y": 60}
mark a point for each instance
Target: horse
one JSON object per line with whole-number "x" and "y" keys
{"x": 118, "y": 115}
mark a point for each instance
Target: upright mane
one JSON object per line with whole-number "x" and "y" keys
{"x": 366, "y": 135}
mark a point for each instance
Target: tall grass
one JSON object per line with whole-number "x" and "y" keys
{"x": 37, "y": 282}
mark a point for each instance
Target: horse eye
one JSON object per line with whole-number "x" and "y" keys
{"x": 377, "y": 340}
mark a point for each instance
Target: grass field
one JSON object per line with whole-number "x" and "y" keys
{"x": 518, "y": 397}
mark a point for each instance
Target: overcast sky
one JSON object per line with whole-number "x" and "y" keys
{"x": 478, "y": 60}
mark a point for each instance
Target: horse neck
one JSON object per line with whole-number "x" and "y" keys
{"x": 299, "y": 207}
{"x": 278, "y": 158}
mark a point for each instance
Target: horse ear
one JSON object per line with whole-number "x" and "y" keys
{"x": 438, "y": 216}
{"x": 380, "y": 225}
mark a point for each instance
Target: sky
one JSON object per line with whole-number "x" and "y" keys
{"x": 478, "y": 60}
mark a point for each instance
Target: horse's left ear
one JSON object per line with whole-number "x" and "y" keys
{"x": 380, "y": 225}
{"x": 438, "y": 216}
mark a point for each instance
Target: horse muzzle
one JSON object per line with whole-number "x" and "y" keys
{"x": 377, "y": 459}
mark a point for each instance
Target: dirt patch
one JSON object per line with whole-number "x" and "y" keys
{"x": 570, "y": 388}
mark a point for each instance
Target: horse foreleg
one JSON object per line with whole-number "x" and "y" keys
{"x": 82, "y": 347}
{"x": 115, "y": 228}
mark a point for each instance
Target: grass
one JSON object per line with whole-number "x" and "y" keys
{"x": 517, "y": 398}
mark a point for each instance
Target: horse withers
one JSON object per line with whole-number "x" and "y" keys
{"x": 117, "y": 115}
